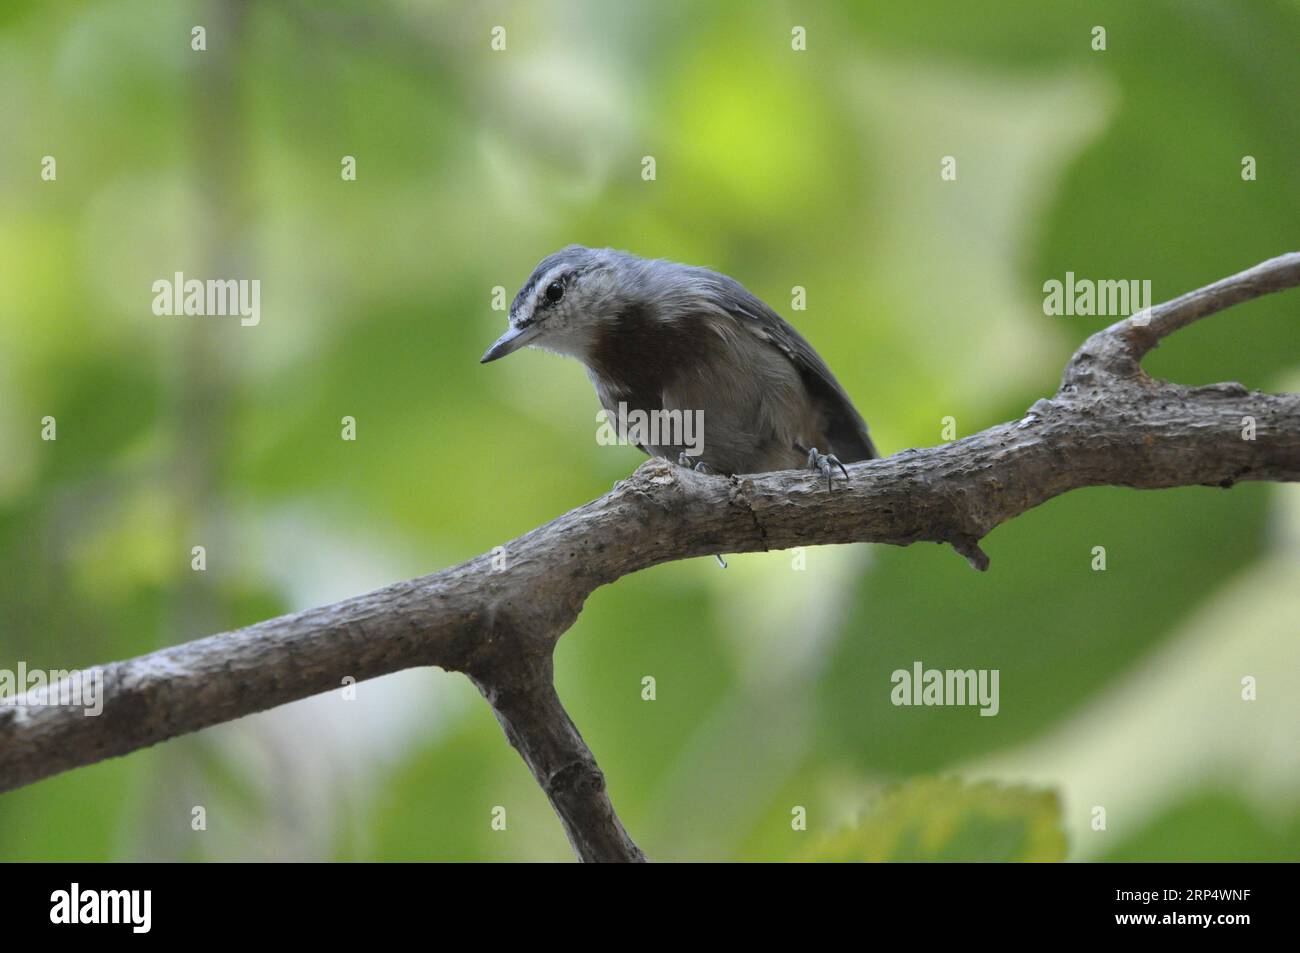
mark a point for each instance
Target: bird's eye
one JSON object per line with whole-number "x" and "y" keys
{"x": 554, "y": 292}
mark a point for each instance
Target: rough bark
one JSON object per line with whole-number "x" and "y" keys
{"x": 1108, "y": 424}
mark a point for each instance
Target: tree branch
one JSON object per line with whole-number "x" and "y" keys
{"x": 1109, "y": 424}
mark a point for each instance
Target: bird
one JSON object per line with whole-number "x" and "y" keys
{"x": 658, "y": 336}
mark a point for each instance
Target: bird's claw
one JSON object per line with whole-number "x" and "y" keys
{"x": 825, "y": 463}
{"x": 684, "y": 459}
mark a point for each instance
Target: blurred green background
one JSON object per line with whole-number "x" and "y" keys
{"x": 818, "y": 168}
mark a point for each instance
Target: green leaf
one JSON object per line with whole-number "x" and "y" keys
{"x": 946, "y": 819}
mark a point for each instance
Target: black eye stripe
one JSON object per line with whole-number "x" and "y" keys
{"x": 542, "y": 301}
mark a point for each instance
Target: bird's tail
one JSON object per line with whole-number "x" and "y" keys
{"x": 853, "y": 445}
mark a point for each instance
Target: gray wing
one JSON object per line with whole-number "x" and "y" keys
{"x": 842, "y": 424}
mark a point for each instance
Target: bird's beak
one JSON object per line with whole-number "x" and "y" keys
{"x": 509, "y": 342}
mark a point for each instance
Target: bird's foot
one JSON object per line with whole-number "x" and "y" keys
{"x": 825, "y": 463}
{"x": 684, "y": 459}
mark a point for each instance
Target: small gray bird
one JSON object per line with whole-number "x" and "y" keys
{"x": 658, "y": 336}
